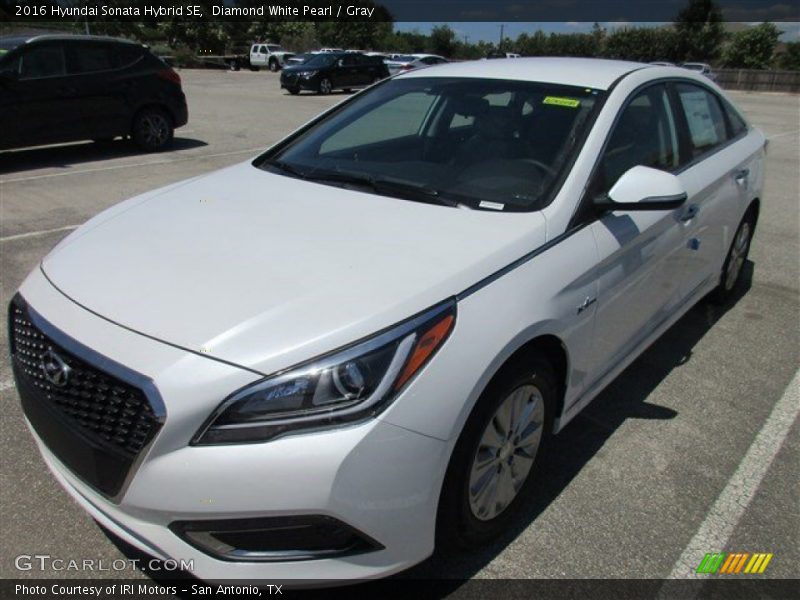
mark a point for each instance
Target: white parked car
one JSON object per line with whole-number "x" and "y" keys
{"x": 270, "y": 56}
{"x": 701, "y": 68}
{"x": 324, "y": 361}
{"x": 408, "y": 62}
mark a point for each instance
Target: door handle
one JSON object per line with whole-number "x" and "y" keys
{"x": 690, "y": 212}
{"x": 741, "y": 175}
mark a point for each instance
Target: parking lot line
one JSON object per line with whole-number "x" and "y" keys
{"x": 135, "y": 165}
{"x": 723, "y": 517}
{"x": 20, "y": 236}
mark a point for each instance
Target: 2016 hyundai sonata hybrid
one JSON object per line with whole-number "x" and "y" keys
{"x": 322, "y": 362}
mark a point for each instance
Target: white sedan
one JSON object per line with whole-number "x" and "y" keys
{"x": 323, "y": 362}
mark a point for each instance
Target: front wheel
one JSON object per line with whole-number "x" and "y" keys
{"x": 731, "y": 276}
{"x": 152, "y": 129}
{"x": 493, "y": 465}
{"x": 294, "y": 90}
{"x": 325, "y": 86}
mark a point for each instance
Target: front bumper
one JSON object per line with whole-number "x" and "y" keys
{"x": 292, "y": 81}
{"x": 379, "y": 479}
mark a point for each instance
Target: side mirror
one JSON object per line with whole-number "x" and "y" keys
{"x": 644, "y": 188}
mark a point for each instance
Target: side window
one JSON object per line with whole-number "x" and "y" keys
{"x": 399, "y": 117}
{"x": 348, "y": 60}
{"x": 263, "y": 50}
{"x": 737, "y": 123}
{"x": 703, "y": 116}
{"x": 645, "y": 134}
{"x": 88, "y": 58}
{"x": 124, "y": 55}
{"x": 42, "y": 61}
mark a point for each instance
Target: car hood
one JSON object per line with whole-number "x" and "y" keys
{"x": 264, "y": 270}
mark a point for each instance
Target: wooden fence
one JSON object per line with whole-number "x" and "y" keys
{"x": 757, "y": 80}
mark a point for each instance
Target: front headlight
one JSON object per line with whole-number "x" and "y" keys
{"x": 306, "y": 74}
{"x": 347, "y": 385}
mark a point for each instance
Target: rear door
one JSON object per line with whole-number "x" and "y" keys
{"x": 640, "y": 253}
{"x": 100, "y": 88}
{"x": 723, "y": 163}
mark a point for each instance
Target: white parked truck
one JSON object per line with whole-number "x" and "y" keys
{"x": 271, "y": 56}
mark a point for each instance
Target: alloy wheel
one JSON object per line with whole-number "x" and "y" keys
{"x": 506, "y": 452}
{"x": 738, "y": 256}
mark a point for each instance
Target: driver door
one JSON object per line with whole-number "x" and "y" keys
{"x": 640, "y": 253}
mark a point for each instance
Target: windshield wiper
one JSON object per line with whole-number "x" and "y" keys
{"x": 385, "y": 187}
{"x": 286, "y": 168}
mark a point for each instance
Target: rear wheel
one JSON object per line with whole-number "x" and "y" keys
{"x": 294, "y": 90}
{"x": 731, "y": 276}
{"x": 325, "y": 86}
{"x": 493, "y": 466}
{"x": 273, "y": 65}
{"x": 152, "y": 129}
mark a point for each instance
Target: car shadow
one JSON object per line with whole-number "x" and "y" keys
{"x": 69, "y": 155}
{"x": 625, "y": 398}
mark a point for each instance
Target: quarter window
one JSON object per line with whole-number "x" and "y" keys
{"x": 703, "y": 117}
{"x": 645, "y": 134}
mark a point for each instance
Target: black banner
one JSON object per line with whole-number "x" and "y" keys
{"x": 33, "y": 11}
{"x": 733, "y": 588}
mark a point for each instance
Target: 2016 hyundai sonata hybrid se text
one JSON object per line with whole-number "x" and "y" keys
{"x": 322, "y": 362}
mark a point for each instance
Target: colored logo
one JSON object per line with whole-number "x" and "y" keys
{"x": 732, "y": 563}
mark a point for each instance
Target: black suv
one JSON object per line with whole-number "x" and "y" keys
{"x": 327, "y": 71}
{"x": 64, "y": 88}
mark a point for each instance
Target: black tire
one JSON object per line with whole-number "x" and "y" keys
{"x": 233, "y": 65}
{"x": 325, "y": 86}
{"x": 273, "y": 65}
{"x": 152, "y": 129}
{"x": 731, "y": 276}
{"x": 294, "y": 90}
{"x": 457, "y": 525}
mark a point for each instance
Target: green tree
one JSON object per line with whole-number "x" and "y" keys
{"x": 752, "y": 48}
{"x": 700, "y": 31}
{"x": 644, "y": 44}
{"x": 790, "y": 57}
{"x": 443, "y": 41}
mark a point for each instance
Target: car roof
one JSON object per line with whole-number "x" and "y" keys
{"x": 60, "y": 37}
{"x": 587, "y": 72}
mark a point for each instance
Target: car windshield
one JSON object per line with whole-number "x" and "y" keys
{"x": 320, "y": 60}
{"x": 8, "y": 44}
{"x": 479, "y": 143}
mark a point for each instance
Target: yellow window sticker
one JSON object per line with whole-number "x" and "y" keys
{"x": 559, "y": 101}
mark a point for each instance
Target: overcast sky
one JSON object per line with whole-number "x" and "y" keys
{"x": 490, "y": 32}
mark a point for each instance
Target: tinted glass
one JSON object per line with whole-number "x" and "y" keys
{"x": 89, "y": 58}
{"x": 703, "y": 117}
{"x": 466, "y": 140}
{"x": 42, "y": 61}
{"x": 645, "y": 134}
{"x": 124, "y": 55}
